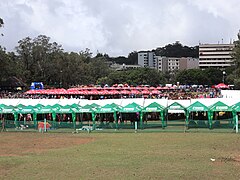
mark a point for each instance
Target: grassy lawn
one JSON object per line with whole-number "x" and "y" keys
{"x": 162, "y": 155}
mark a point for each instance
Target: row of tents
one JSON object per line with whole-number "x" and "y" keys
{"x": 123, "y": 113}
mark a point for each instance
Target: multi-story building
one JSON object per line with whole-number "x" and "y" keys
{"x": 147, "y": 59}
{"x": 121, "y": 67}
{"x": 188, "y": 63}
{"x": 215, "y": 55}
{"x": 172, "y": 64}
{"x": 162, "y": 63}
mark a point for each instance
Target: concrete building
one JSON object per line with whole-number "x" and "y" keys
{"x": 147, "y": 59}
{"x": 172, "y": 64}
{"x": 188, "y": 63}
{"x": 215, "y": 55}
{"x": 121, "y": 67}
{"x": 162, "y": 63}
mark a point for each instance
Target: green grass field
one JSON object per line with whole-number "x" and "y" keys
{"x": 162, "y": 155}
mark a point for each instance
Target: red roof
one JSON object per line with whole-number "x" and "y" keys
{"x": 222, "y": 86}
{"x": 134, "y": 91}
{"x": 125, "y": 92}
{"x": 145, "y": 91}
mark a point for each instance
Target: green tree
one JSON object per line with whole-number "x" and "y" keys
{"x": 36, "y": 56}
{"x": 4, "y": 64}
{"x": 213, "y": 75}
{"x": 209, "y": 76}
{"x": 236, "y": 52}
{"x": 1, "y": 24}
{"x": 236, "y": 55}
{"x": 98, "y": 68}
{"x": 132, "y": 58}
{"x": 177, "y": 50}
{"x": 191, "y": 76}
{"x": 135, "y": 77}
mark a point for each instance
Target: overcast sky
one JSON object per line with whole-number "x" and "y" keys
{"x": 118, "y": 27}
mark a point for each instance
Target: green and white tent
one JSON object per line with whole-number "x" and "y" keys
{"x": 4, "y": 109}
{"x": 131, "y": 108}
{"x": 175, "y": 115}
{"x": 56, "y": 107}
{"x": 153, "y": 107}
{"x": 236, "y": 110}
{"x": 21, "y": 109}
{"x": 197, "y": 107}
{"x": 88, "y": 109}
{"x": 176, "y": 107}
{"x": 9, "y": 109}
{"x": 64, "y": 110}
{"x": 38, "y": 106}
{"x": 26, "y": 110}
{"x": 109, "y": 108}
{"x": 45, "y": 110}
{"x": 67, "y": 109}
{"x": 221, "y": 107}
{"x": 236, "y": 107}
{"x": 75, "y": 107}
{"x": 115, "y": 106}
{"x": 20, "y": 106}
{"x": 94, "y": 105}
{"x": 128, "y": 111}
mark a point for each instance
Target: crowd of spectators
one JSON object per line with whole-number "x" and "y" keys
{"x": 178, "y": 93}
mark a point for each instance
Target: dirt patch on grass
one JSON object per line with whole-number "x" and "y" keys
{"x": 237, "y": 159}
{"x": 221, "y": 161}
{"x": 18, "y": 144}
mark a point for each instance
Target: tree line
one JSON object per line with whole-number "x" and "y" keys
{"x": 40, "y": 59}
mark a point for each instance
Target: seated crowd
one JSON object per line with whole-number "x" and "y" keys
{"x": 174, "y": 94}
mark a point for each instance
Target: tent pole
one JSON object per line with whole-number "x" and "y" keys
{"x": 236, "y": 123}
{"x": 162, "y": 119}
{"x": 93, "y": 120}
{"x": 45, "y": 125}
{"x": 187, "y": 120}
{"x": 54, "y": 119}
{"x": 15, "y": 119}
{"x": 141, "y": 120}
{"x": 24, "y": 120}
{"x": 35, "y": 120}
{"x": 74, "y": 120}
{"x": 115, "y": 119}
{"x": 135, "y": 126}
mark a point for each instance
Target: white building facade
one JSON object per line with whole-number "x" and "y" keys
{"x": 147, "y": 59}
{"x": 215, "y": 55}
{"x": 172, "y": 64}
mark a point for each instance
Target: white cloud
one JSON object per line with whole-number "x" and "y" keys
{"x": 120, "y": 26}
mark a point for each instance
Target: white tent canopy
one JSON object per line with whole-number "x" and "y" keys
{"x": 121, "y": 102}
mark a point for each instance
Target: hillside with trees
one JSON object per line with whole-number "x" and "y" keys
{"x": 177, "y": 50}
